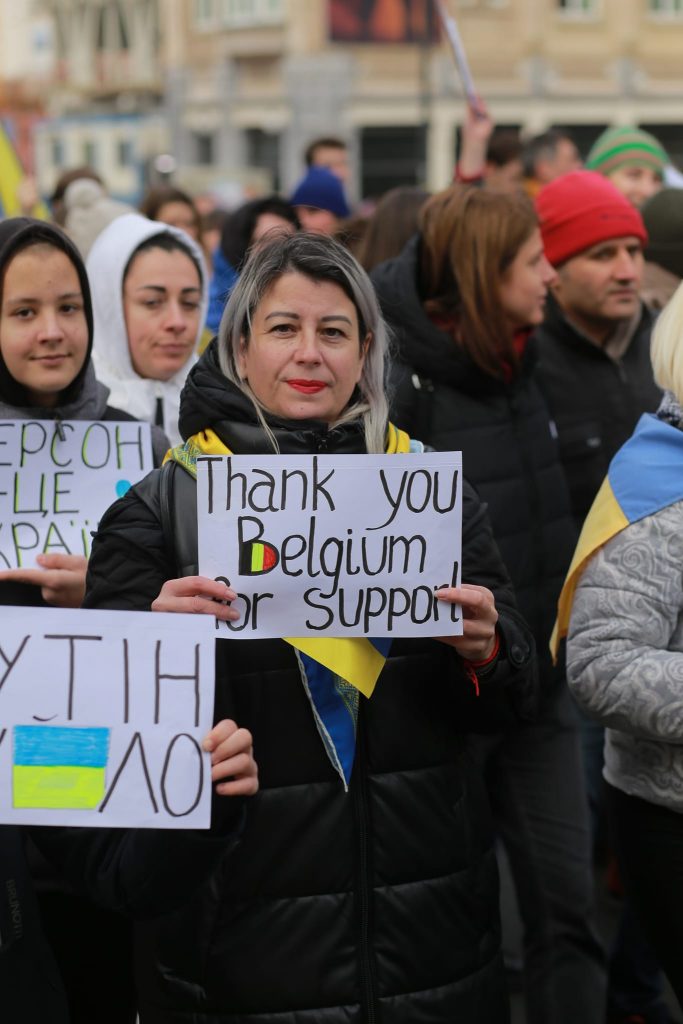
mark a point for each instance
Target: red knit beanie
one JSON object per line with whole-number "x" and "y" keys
{"x": 581, "y": 209}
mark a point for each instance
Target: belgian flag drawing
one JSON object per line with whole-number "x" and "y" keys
{"x": 256, "y": 558}
{"x": 59, "y": 767}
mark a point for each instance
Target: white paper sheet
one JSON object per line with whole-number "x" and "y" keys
{"x": 102, "y": 715}
{"x": 351, "y": 545}
{"x": 53, "y": 491}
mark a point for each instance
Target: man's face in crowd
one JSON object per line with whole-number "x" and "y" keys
{"x": 600, "y": 286}
{"x": 565, "y": 159}
{"x": 320, "y": 222}
{"x": 335, "y": 159}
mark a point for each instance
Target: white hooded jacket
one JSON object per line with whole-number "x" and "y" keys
{"x": 106, "y": 264}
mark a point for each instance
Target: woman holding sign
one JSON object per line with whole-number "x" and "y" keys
{"x": 365, "y": 885}
{"x": 463, "y": 298}
{"x": 46, "y": 330}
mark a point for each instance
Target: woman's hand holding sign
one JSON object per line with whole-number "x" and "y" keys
{"x": 61, "y": 579}
{"x": 479, "y": 615}
{"x": 233, "y": 767}
{"x": 197, "y": 595}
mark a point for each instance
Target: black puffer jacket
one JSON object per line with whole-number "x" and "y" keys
{"x": 594, "y": 400}
{"x": 376, "y": 905}
{"x": 136, "y": 871}
{"x": 505, "y": 435}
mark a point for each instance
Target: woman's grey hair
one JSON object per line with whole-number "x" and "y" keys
{"x": 666, "y": 347}
{"x": 321, "y": 259}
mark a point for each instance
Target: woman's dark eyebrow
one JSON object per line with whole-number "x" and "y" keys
{"x": 35, "y": 298}
{"x": 323, "y": 319}
{"x": 162, "y": 288}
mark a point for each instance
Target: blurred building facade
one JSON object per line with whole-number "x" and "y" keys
{"x": 233, "y": 90}
{"x": 252, "y": 81}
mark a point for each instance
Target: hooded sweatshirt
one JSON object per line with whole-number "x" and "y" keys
{"x": 85, "y": 398}
{"x": 107, "y": 263}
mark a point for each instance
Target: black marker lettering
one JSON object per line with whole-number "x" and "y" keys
{"x": 137, "y": 739}
{"x": 200, "y": 779}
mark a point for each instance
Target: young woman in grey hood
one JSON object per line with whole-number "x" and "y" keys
{"x": 46, "y": 337}
{"x": 149, "y": 288}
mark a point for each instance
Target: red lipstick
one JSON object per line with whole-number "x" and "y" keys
{"x": 307, "y": 387}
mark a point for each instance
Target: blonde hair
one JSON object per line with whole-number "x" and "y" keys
{"x": 320, "y": 259}
{"x": 666, "y": 351}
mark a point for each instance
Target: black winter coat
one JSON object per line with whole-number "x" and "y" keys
{"x": 139, "y": 872}
{"x": 376, "y": 905}
{"x": 594, "y": 400}
{"x": 504, "y": 432}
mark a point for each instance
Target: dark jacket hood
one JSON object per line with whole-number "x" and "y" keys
{"x": 19, "y": 233}
{"x": 210, "y": 400}
{"x": 417, "y": 341}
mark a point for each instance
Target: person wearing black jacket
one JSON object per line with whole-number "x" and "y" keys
{"x": 46, "y": 373}
{"x": 594, "y": 343}
{"x": 461, "y": 300}
{"x": 357, "y": 898}
{"x": 595, "y": 373}
{"x": 141, "y": 873}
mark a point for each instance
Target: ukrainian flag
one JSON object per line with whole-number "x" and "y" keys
{"x": 645, "y": 476}
{"x": 11, "y": 177}
{"x": 59, "y": 767}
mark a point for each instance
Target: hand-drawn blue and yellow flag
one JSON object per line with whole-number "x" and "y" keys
{"x": 59, "y": 767}
{"x": 645, "y": 476}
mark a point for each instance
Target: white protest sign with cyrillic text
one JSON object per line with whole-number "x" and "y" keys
{"x": 57, "y": 479}
{"x": 102, "y": 716}
{"x": 324, "y": 545}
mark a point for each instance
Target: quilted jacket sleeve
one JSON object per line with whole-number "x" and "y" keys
{"x": 624, "y": 657}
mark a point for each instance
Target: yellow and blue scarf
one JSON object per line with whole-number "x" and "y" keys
{"x": 645, "y": 476}
{"x": 334, "y": 670}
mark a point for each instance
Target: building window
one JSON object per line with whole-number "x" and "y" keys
{"x": 124, "y": 152}
{"x": 578, "y": 8}
{"x": 251, "y": 13}
{"x": 204, "y": 149}
{"x": 391, "y": 156}
{"x": 263, "y": 151}
{"x": 90, "y": 153}
{"x": 666, "y": 8}
{"x": 204, "y": 13}
{"x": 57, "y": 152}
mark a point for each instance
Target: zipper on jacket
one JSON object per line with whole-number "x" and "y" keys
{"x": 361, "y": 809}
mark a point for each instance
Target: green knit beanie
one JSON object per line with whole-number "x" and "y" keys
{"x": 618, "y": 147}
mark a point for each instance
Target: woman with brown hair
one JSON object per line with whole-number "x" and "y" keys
{"x": 394, "y": 221}
{"x": 463, "y": 298}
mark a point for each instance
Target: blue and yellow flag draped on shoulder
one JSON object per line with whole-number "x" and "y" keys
{"x": 645, "y": 476}
{"x": 334, "y": 670}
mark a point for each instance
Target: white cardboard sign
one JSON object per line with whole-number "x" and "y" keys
{"x": 323, "y": 545}
{"x": 54, "y": 489}
{"x": 102, "y": 715}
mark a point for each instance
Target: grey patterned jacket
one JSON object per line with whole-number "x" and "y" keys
{"x": 625, "y": 655}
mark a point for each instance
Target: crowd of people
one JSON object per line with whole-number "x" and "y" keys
{"x": 529, "y": 315}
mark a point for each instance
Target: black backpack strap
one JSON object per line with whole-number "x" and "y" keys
{"x": 171, "y": 493}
